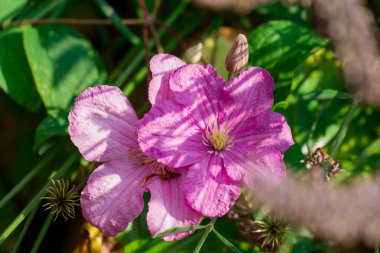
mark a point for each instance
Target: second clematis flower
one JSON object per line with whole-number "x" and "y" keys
{"x": 225, "y": 132}
{"x": 103, "y": 127}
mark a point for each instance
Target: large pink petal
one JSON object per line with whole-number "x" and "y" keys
{"x": 161, "y": 66}
{"x": 267, "y": 167}
{"x": 268, "y": 131}
{"x": 199, "y": 88}
{"x": 167, "y": 208}
{"x": 113, "y": 196}
{"x": 208, "y": 189}
{"x": 170, "y": 134}
{"x": 256, "y": 143}
{"x": 103, "y": 124}
{"x": 252, "y": 93}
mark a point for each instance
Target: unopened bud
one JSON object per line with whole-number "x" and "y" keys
{"x": 194, "y": 54}
{"x": 237, "y": 57}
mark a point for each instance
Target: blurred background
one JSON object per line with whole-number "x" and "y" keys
{"x": 323, "y": 56}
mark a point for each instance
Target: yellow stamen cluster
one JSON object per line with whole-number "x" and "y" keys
{"x": 217, "y": 138}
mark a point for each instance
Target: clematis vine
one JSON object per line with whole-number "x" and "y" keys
{"x": 103, "y": 127}
{"x": 225, "y": 132}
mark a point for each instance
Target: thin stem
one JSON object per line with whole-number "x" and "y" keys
{"x": 36, "y": 200}
{"x": 170, "y": 31}
{"x": 377, "y": 248}
{"x": 147, "y": 52}
{"x": 23, "y": 231}
{"x": 26, "y": 179}
{"x": 341, "y": 134}
{"x": 156, "y": 38}
{"x": 156, "y": 7}
{"x": 77, "y": 21}
{"x": 149, "y": 21}
{"x": 343, "y": 130}
{"x": 42, "y": 233}
{"x": 229, "y": 76}
{"x": 208, "y": 229}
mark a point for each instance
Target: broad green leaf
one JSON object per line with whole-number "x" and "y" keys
{"x": 54, "y": 125}
{"x": 279, "y": 47}
{"x": 15, "y": 76}
{"x": 10, "y": 8}
{"x": 62, "y": 62}
{"x": 327, "y": 94}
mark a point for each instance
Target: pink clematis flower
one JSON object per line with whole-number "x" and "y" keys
{"x": 103, "y": 127}
{"x": 225, "y": 132}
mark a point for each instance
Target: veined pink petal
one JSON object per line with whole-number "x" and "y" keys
{"x": 267, "y": 135}
{"x": 268, "y": 131}
{"x": 199, "y": 88}
{"x": 171, "y": 135}
{"x": 113, "y": 196}
{"x": 267, "y": 167}
{"x": 103, "y": 124}
{"x": 208, "y": 189}
{"x": 161, "y": 66}
{"x": 167, "y": 208}
{"x": 252, "y": 92}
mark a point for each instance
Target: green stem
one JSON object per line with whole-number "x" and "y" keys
{"x": 343, "y": 130}
{"x": 341, "y": 134}
{"x": 377, "y": 247}
{"x": 36, "y": 200}
{"x": 42, "y": 234}
{"x": 23, "y": 231}
{"x": 208, "y": 229}
{"x": 26, "y": 179}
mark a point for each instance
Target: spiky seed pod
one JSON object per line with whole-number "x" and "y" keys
{"x": 61, "y": 200}
{"x": 270, "y": 232}
{"x": 237, "y": 57}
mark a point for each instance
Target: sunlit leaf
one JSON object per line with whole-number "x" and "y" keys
{"x": 10, "y": 8}
{"x": 327, "y": 94}
{"x": 279, "y": 47}
{"x": 62, "y": 62}
{"x": 15, "y": 76}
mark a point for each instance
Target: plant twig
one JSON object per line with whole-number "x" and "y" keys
{"x": 208, "y": 229}
{"x": 77, "y": 21}
{"x": 149, "y": 21}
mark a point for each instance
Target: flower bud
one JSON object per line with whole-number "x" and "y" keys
{"x": 237, "y": 57}
{"x": 194, "y": 54}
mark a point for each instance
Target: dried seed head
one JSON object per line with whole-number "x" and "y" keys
{"x": 194, "y": 54}
{"x": 270, "y": 231}
{"x": 238, "y": 55}
{"x": 61, "y": 200}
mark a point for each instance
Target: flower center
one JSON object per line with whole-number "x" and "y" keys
{"x": 217, "y": 138}
{"x": 156, "y": 168}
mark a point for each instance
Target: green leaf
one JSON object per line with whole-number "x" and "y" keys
{"x": 279, "y": 47}
{"x": 62, "y": 62}
{"x": 51, "y": 126}
{"x": 10, "y": 8}
{"x": 280, "y": 105}
{"x": 178, "y": 229}
{"x": 15, "y": 76}
{"x": 327, "y": 94}
{"x": 117, "y": 21}
{"x": 226, "y": 242}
